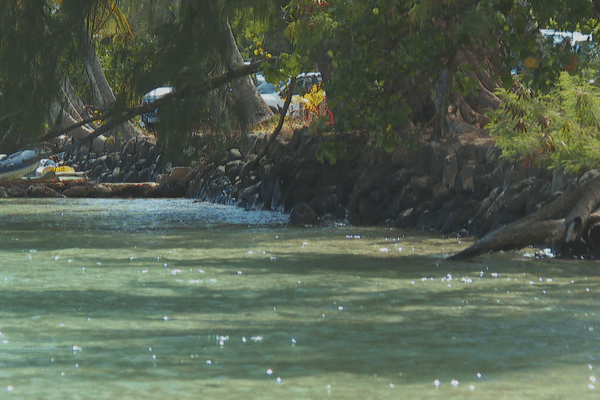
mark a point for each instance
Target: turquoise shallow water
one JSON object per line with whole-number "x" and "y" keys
{"x": 161, "y": 299}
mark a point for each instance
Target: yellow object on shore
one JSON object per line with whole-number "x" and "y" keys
{"x": 64, "y": 169}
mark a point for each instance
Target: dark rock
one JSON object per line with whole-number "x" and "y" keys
{"x": 219, "y": 171}
{"x": 131, "y": 177}
{"x": 111, "y": 161}
{"x": 330, "y": 204}
{"x": 427, "y": 221}
{"x": 422, "y": 185}
{"x": 96, "y": 171}
{"x": 140, "y": 164}
{"x": 233, "y": 168}
{"x": 130, "y": 159}
{"x": 251, "y": 192}
{"x": 144, "y": 175}
{"x": 247, "y": 165}
{"x": 455, "y": 220}
{"x": 144, "y": 147}
{"x": 234, "y": 155}
{"x": 113, "y": 177}
{"x": 302, "y": 215}
{"x": 441, "y": 198}
{"x": 266, "y": 169}
{"x": 277, "y": 149}
{"x": 407, "y": 219}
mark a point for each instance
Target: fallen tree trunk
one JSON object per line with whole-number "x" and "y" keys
{"x": 579, "y": 229}
{"x": 91, "y": 189}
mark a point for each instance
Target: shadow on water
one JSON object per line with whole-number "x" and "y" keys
{"x": 315, "y": 311}
{"x": 422, "y": 330}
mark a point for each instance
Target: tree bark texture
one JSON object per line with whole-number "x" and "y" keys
{"x": 245, "y": 93}
{"x": 69, "y": 111}
{"x": 119, "y": 116}
{"x": 103, "y": 93}
{"x": 579, "y": 229}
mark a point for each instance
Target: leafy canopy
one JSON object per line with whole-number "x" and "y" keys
{"x": 387, "y": 63}
{"x": 560, "y": 129}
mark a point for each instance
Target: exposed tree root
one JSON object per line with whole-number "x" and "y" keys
{"x": 578, "y": 231}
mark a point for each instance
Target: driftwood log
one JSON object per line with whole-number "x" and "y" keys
{"x": 569, "y": 225}
{"x": 91, "y": 189}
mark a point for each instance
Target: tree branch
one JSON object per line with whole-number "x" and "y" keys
{"x": 286, "y": 105}
{"x": 114, "y": 117}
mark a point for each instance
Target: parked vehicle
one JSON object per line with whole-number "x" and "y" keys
{"x": 275, "y": 96}
{"x": 150, "y": 118}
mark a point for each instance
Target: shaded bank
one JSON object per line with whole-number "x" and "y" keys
{"x": 455, "y": 185}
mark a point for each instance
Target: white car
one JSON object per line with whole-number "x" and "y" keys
{"x": 275, "y": 96}
{"x": 150, "y": 118}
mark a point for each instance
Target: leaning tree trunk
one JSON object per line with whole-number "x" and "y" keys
{"x": 578, "y": 231}
{"x": 253, "y": 107}
{"x": 69, "y": 111}
{"x": 103, "y": 93}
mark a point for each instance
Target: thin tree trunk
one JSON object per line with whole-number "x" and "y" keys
{"x": 103, "y": 93}
{"x": 246, "y": 95}
{"x": 71, "y": 110}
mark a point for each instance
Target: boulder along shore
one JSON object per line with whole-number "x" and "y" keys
{"x": 457, "y": 184}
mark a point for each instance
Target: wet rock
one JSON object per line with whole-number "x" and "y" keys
{"x": 302, "y": 214}
{"x": 427, "y": 221}
{"x": 251, "y": 193}
{"x": 407, "y": 219}
{"x": 250, "y": 163}
{"x": 233, "y": 168}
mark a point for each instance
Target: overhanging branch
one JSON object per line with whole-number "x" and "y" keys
{"x": 115, "y": 117}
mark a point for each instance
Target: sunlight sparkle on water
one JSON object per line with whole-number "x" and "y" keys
{"x": 250, "y": 324}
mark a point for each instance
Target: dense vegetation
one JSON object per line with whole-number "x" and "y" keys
{"x": 389, "y": 66}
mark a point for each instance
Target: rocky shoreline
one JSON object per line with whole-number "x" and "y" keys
{"x": 457, "y": 184}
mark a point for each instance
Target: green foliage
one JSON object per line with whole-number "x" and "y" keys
{"x": 559, "y": 129}
{"x": 26, "y": 87}
{"x": 381, "y": 58}
{"x": 331, "y": 149}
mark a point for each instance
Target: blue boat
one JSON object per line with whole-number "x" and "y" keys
{"x": 18, "y": 164}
